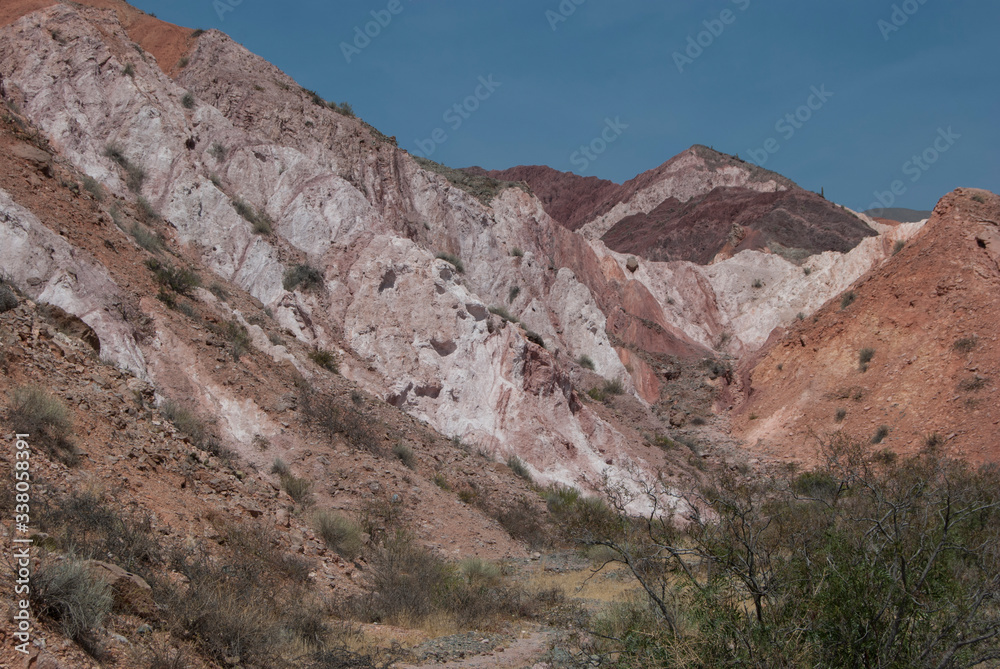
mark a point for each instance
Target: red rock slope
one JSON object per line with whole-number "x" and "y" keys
{"x": 929, "y": 316}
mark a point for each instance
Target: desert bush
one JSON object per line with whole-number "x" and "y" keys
{"x": 405, "y": 582}
{"x": 217, "y": 151}
{"x": 339, "y": 533}
{"x": 807, "y": 270}
{"x": 585, "y": 362}
{"x": 503, "y": 313}
{"x": 146, "y": 239}
{"x": 259, "y": 220}
{"x": 187, "y": 100}
{"x": 324, "y": 359}
{"x": 299, "y": 489}
{"x": 933, "y": 440}
{"x": 186, "y": 421}
{"x": 513, "y": 293}
{"x": 613, "y": 387}
{"x": 898, "y": 246}
{"x": 482, "y": 188}
{"x": 762, "y": 576}
{"x": 327, "y": 415}
{"x": 453, "y": 259}
{"x": 129, "y": 70}
{"x": 880, "y": 434}
{"x": 8, "y": 300}
{"x": 865, "y": 356}
{"x": 94, "y": 188}
{"x": 302, "y": 276}
{"x": 281, "y": 468}
{"x": 534, "y": 338}
{"x": 405, "y": 455}
{"x": 979, "y": 198}
{"x": 965, "y": 344}
{"x": 46, "y": 419}
{"x": 516, "y": 465}
{"x": 521, "y": 521}
{"x": 159, "y": 655}
{"x": 237, "y": 336}
{"x": 517, "y": 253}
{"x": 66, "y": 592}
{"x": 758, "y": 283}
{"x": 596, "y": 394}
{"x": 180, "y": 280}
{"x": 147, "y": 213}
{"x": 847, "y": 299}
{"x": 840, "y": 415}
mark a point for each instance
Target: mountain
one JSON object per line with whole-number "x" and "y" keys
{"x": 925, "y": 321}
{"x": 694, "y": 207}
{"x": 900, "y": 215}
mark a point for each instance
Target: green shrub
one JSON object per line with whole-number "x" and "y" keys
{"x": 94, "y": 188}
{"x": 302, "y": 276}
{"x": 281, "y": 468}
{"x": 513, "y": 293}
{"x": 195, "y": 34}
{"x": 259, "y": 220}
{"x": 324, "y": 359}
{"x": 217, "y": 151}
{"x": 147, "y": 213}
{"x": 865, "y": 356}
{"x": 135, "y": 175}
{"x": 585, "y": 362}
{"x": 596, "y": 394}
{"x": 179, "y": 280}
{"x": 517, "y": 253}
{"x": 69, "y": 594}
{"x": 840, "y": 415}
{"x": 807, "y": 270}
{"x": 183, "y": 62}
{"x": 299, "y": 489}
{"x": 517, "y": 466}
{"x": 613, "y": 387}
{"x": 933, "y": 440}
{"x": 758, "y": 283}
{"x": 187, "y": 101}
{"x": 455, "y": 261}
{"x": 534, "y": 338}
{"x": 8, "y": 300}
{"x": 405, "y": 454}
{"x": 847, "y": 299}
{"x": 898, "y": 246}
{"x": 881, "y": 433}
{"x": 128, "y": 70}
{"x": 146, "y": 239}
{"x": 504, "y": 314}
{"x": 46, "y": 419}
{"x": 979, "y": 198}
{"x": 339, "y": 533}
{"x": 186, "y": 421}
{"x": 236, "y": 334}
{"x": 965, "y": 344}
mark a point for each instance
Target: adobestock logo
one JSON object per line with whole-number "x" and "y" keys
{"x": 566, "y": 9}
{"x": 901, "y": 14}
{"x": 791, "y": 123}
{"x": 696, "y": 44}
{"x": 588, "y": 153}
{"x": 457, "y": 114}
{"x": 363, "y": 36}
{"x": 916, "y": 167}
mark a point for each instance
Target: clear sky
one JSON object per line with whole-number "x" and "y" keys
{"x": 655, "y": 77}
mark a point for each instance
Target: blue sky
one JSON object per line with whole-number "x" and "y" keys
{"x": 723, "y": 73}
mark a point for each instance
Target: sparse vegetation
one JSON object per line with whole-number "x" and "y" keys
{"x": 516, "y": 465}
{"x": 973, "y": 383}
{"x": 613, "y": 387}
{"x": 135, "y": 175}
{"x": 128, "y": 70}
{"x": 259, "y": 220}
{"x": 179, "y": 280}
{"x": 807, "y": 270}
{"x": 67, "y": 592}
{"x": 482, "y": 188}
{"x": 303, "y": 277}
{"x": 146, "y": 239}
{"x": 840, "y": 415}
{"x": 8, "y": 299}
{"x": 880, "y": 434}
{"x": 187, "y": 422}
{"x": 405, "y": 454}
{"x": 847, "y": 299}
{"x": 46, "y": 418}
{"x": 147, "y": 213}
{"x": 865, "y": 356}
{"x": 91, "y": 185}
{"x": 933, "y": 440}
{"x": 758, "y": 283}
{"x": 237, "y": 336}
{"x": 534, "y": 338}
{"x": 965, "y": 344}
{"x": 979, "y": 198}
{"x": 339, "y": 533}
{"x": 455, "y": 261}
{"x": 324, "y": 359}
{"x": 585, "y": 362}
{"x": 299, "y": 489}
{"x": 187, "y": 100}
{"x": 504, "y": 314}
{"x": 513, "y": 293}
{"x": 217, "y": 151}
{"x": 517, "y": 253}
{"x": 898, "y": 246}
{"x": 183, "y": 62}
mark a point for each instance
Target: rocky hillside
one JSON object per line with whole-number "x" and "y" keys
{"x": 907, "y": 357}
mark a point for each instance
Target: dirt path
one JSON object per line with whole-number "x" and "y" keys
{"x": 520, "y": 653}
